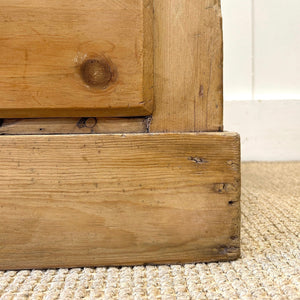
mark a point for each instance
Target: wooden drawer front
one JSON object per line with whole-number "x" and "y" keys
{"x": 76, "y": 58}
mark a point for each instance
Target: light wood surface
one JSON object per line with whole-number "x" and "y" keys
{"x": 188, "y": 58}
{"x": 82, "y": 58}
{"x": 90, "y": 200}
{"x": 72, "y": 126}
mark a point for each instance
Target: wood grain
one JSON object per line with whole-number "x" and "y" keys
{"x": 83, "y": 58}
{"x": 188, "y": 66}
{"x": 72, "y": 126}
{"x": 90, "y": 200}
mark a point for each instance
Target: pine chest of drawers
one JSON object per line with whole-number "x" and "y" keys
{"x": 112, "y": 147}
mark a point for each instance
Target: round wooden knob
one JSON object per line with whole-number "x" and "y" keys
{"x": 96, "y": 73}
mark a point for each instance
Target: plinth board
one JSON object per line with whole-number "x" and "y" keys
{"x": 124, "y": 199}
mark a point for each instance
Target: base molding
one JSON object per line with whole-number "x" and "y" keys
{"x": 118, "y": 199}
{"x": 269, "y": 128}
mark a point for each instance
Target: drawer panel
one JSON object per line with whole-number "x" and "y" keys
{"x": 76, "y": 58}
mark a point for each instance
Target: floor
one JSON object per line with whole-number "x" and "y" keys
{"x": 268, "y": 269}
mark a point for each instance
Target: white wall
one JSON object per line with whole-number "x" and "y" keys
{"x": 262, "y": 76}
{"x": 262, "y": 49}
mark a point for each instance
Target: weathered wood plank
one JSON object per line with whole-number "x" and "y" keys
{"x": 84, "y": 58}
{"x": 188, "y": 66}
{"x": 72, "y": 126}
{"x": 90, "y": 200}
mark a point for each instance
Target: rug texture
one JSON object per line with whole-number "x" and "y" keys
{"x": 268, "y": 269}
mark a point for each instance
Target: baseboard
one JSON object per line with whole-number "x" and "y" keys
{"x": 269, "y": 129}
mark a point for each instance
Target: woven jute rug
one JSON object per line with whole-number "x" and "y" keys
{"x": 268, "y": 269}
